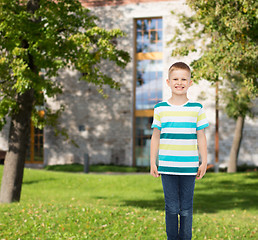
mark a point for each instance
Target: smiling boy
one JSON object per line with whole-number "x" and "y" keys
{"x": 178, "y": 127}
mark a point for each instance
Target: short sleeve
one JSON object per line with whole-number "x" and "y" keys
{"x": 156, "y": 119}
{"x": 202, "y": 121}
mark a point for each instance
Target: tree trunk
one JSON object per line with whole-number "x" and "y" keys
{"x": 232, "y": 164}
{"x": 19, "y": 133}
{"x": 16, "y": 155}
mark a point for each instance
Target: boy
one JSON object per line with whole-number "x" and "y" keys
{"x": 178, "y": 126}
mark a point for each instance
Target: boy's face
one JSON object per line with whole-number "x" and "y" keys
{"x": 179, "y": 81}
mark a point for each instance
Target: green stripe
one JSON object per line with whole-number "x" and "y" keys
{"x": 189, "y": 104}
{"x": 177, "y": 136}
{"x": 161, "y": 104}
{"x": 178, "y": 169}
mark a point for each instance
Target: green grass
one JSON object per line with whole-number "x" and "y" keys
{"x": 96, "y": 168}
{"x": 58, "y": 205}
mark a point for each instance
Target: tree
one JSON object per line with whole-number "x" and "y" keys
{"x": 44, "y": 35}
{"x": 225, "y": 35}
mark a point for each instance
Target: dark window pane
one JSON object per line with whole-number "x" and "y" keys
{"x": 139, "y": 47}
{"x": 146, "y": 25}
{"x": 153, "y": 36}
{"x": 139, "y": 24}
{"x": 139, "y": 36}
{"x": 153, "y": 24}
{"x": 142, "y": 148}
{"x": 159, "y": 35}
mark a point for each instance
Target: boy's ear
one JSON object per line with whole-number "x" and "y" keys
{"x": 168, "y": 82}
{"x": 191, "y": 83}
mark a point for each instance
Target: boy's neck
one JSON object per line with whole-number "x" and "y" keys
{"x": 178, "y": 100}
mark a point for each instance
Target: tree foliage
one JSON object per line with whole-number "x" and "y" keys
{"x": 44, "y": 36}
{"x": 225, "y": 35}
{"x": 52, "y": 36}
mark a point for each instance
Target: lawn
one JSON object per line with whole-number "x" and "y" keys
{"x": 58, "y": 205}
{"x": 96, "y": 168}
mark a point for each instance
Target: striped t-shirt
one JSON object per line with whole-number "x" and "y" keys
{"x": 178, "y": 153}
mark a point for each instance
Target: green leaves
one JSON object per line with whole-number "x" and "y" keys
{"x": 52, "y": 36}
{"x": 225, "y": 33}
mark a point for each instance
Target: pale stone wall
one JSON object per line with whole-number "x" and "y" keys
{"x": 101, "y": 127}
{"x": 108, "y": 123}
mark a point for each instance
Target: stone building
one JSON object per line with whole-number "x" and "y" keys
{"x": 116, "y": 129}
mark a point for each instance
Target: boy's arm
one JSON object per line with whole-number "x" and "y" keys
{"x": 202, "y": 145}
{"x": 154, "y": 151}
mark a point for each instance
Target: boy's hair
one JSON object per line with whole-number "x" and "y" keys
{"x": 178, "y": 65}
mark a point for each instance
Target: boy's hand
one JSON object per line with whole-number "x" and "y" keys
{"x": 201, "y": 171}
{"x": 154, "y": 171}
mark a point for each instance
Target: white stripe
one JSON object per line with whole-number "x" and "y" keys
{"x": 178, "y": 164}
{"x": 179, "y": 141}
{"x": 176, "y": 173}
{"x": 178, "y": 119}
{"x": 178, "y": 130}
{"x": 202, "y": 122}
{"x": 156, "y": 122}
{"x": 201, "y": 111}
{"x": 178, "y": 153}
{"x": 176, "y": 109}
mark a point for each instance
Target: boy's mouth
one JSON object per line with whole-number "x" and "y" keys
{"x": 179, "y": 87}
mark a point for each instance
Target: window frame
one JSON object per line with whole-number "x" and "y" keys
{"x": 141, "y": 56}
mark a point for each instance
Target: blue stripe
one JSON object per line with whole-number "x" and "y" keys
{"x": 161, "y": 104}
{"x": 178, "y": 125}
{"x": 191, "y": 104}
{"x": 155, "y": 126}
{"x": 177, "y": 136}
{"x": 202, "y": 126}
{"x": 178, "y": 169}
{"x": 179, "y": 158}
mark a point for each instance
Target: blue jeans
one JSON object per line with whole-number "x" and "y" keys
{"x": 178, "y": 192}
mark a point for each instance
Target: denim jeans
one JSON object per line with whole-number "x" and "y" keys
{"x": 178, "y": 192}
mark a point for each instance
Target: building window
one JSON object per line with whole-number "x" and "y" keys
{"x": 35, "y": 151}
{"x": 148, "y": 82}
{"x": 148, "y": 63}
{"x": 149, "y": 35}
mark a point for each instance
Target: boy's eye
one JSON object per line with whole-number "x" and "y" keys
{"x": 175, "y": 79}
{"x": 184, "y": 79}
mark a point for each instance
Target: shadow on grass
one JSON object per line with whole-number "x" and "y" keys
{"x": 100, "y": 197}
{"x": 37, "y": 181}
{"x": 225, "y": 195}
{"x": 252, "y": 176}
{"x": 157, "y": 204}
{"x": 213, "y": 197}
{"x": 76, "y": 167}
